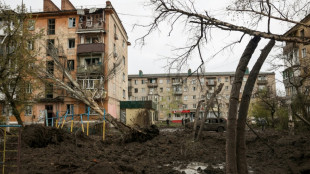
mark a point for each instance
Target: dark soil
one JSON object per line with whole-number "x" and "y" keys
{"x": 56, "y": 151}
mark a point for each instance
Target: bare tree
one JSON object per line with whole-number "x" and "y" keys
{"x": 201, "y": 23}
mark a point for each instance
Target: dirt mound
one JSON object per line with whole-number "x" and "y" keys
{"x": 147, "y": 133}
{"x": 38, "y": 136}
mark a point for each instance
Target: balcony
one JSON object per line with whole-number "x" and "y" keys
{"x": 91, "y": 26}
{"x": 211, "y": 83}
{"x": 129, "y": 94}
{"x": 177, "y": 92}
{"x": 90, "y": 69}
{"x": 262, "y": 81}
{"x": 152, "y": 85}
{"x": 176, "y": 83}
{"x": 90, "y": 48}
{"x": 153, "y": 93}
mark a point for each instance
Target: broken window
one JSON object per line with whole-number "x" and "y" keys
{"x": 91, "y": 61}
{"x": 136, "y": 90}
{"x": 31, "y": 25}
{"x": 71, "y": 43}
{"x": 91, "y": 110}
{"x": 50, "y": 67}
{"x": 50, "y": 46}
{"x": 51, "y": 27}
{"x": 70, "y": 108}
{"x": 28, "y": 110}
{"x": 70, "y": 65}
{"x": 71, "y": 22}
{"x": 49, "y": 90}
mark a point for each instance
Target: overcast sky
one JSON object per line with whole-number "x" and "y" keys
{"x": 150, "y": 58}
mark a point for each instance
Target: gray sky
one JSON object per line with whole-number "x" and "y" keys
{"x": 150, "y": 58}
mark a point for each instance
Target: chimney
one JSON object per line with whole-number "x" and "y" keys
{"x": 48, "y": 6}
{"x": 140, "y": 73}
{"x": 67, "y": 5}
{"x": 108, "y": 4}
{"x": 189, "y": 72}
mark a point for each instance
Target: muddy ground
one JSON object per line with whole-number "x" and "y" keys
{"x": 56, "y": 151}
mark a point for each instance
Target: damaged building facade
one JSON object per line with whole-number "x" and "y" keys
{"x": 93, "y": 45}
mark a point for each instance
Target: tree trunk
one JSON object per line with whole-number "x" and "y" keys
{"x": 244, "y": 106}
{"x": 196, "y": 118}
{"x": 231, "y": 163}
{"x": 209, "y": 104}
{"x": 16, "y": 113}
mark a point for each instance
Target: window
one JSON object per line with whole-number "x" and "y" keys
{"x": 168, "y": 89}
{"x": 194, "y": 105}
{"x": 194, "y": 96}
{"x": 302, "y": 33}
{"x": 244, "y": 79}
{"x": 28, "y": 110}
{"x": 143, "y": 89}
{"x": 50, "y": 46}
{"x": 50, "y": 67}
{"x": 71, "y": 43}
{"x": 51, "y": 27}
{"x": 168, "y": 98}
{"x": 161, "y": 89}
{"x": 226, "y": 88}
{"x": 142, "y": 81}
{"x": 124, "y": 61}
{"x": 92, "y": 61}
{"x": 136, "y": 82}
{"x": 124, "y": 94}
{"x": 144, "y": 98}
{"x": 184, "y": 106}
{"x": 70, "y": 109}
{"x": 70, "y": 65}
{"x": 28, "y": 88}
{"x": 71, "y": 22}
{"x": 49, "y": 90}
{"x": 88, "y": 84}
{"x": 124, "y": 77}
{"x": 160, "y": 81}
{"x": 168, "y": 81}
{"x": 161, "y": 106}
{"x": 226, "y": 79}
{"x": 185, "y": 97}
{"x": 136, "y": 90}
{"x": 91, "y": 40}
{"x": 194, "y": 81}
{"x": 261, "y": 87}
{"x": 30, "y": 45}
{"x": 185, "y": 89}
{"x": 31, "y": 25}
{"x": 160, "y": 98}
{"x": 219, "y": 79}
{"x": 123, "y": 44}
{"x": 303, "y": 52}
{"x": 194, "y": 88}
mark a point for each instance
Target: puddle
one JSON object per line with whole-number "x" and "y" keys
{"x": 198, "y": 167}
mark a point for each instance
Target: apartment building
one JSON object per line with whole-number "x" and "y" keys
{"x": 296, "y": 60}
{"x": 177, "y": 95}
{"x": 93, "y": 44}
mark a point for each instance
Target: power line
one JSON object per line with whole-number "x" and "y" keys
{"x": 126, "y": 14}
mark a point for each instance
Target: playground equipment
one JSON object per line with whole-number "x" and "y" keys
{"x": 60, "y": 120}
{"x": 9, "y": 148}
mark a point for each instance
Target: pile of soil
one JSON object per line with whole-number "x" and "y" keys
{"x": 173, "y": 148}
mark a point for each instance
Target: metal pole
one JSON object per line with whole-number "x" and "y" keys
{"x": 103, "y": 126}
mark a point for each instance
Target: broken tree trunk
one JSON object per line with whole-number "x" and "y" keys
{"x": 196, "y": 118}
{"x": 244, "y": 106}
{"x": 208, "y": 105}
{"x": 231, "y": 163}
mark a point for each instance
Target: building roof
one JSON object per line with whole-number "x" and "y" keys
{"x": 186, "y": 74}
{"x": 304, "y": 20}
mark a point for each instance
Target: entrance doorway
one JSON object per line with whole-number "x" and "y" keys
{"x": 49, "y": 110}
